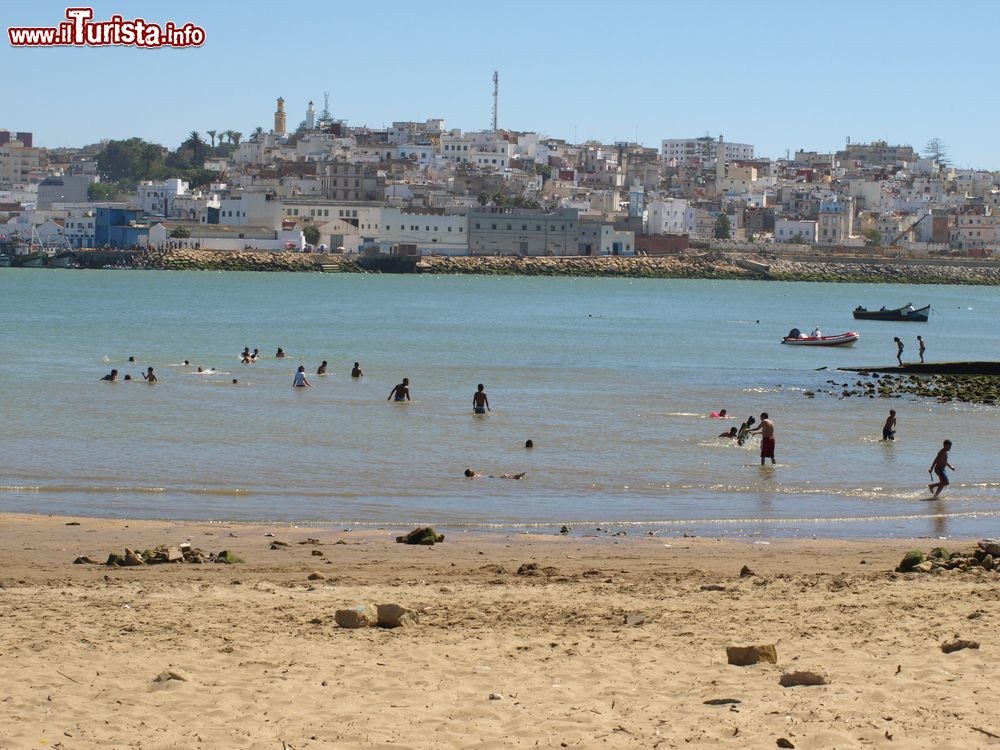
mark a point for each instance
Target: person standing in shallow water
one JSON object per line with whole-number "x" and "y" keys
{"x": 938, "y": 467}
{"x": 921, "y": 348}
{"x": 899, "y": 350}
{"x": 400, "y": 392}
{"x": 889, "y": 428}
{"x": 300, "y": 378}
{"x": 356, "y": 371}
{"x": 766, "y": 430}
{"x": 480, "y": 401}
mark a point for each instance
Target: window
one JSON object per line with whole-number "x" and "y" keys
{"x": 524, "y": 227}
{"x": 508, "y": 227}
{"x": 477, "y": 226}
{"x": 493, "y": 226}
{"x": 449, "y": 229}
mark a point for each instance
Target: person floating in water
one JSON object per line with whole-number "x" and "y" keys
{"x": 401, "y": 391}
{"x": 111, "y": 376}
{"x": 187, "y": 362}
{"x": 938, "y": 467}
{"x": 529, "y": 443}
{"x": 246, "y": 359}
{"x": 321, "y": 370}
{"x": 899, "y": 350}
{"x": 280, "y": 354}
{"x": 889, "y": 428}
{"x": 127, "y": 376}
{"x": 149, "y": 375}
{"x": 470, "y": 474}
{"x": 255, "y": 356}
{"x": 766, "y": 430}
{"x": 480, "y": 401}
{"x": 732, "y": 434}
{"x": 356, "y": 371}
{"x": 720, "y": 414}
{"x": 744, "y": 433}
{"x": 245, "y": 354}
{"x": 921, "y": 348}
{"x": 300, "y": 378}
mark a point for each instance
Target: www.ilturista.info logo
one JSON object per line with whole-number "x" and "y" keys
{"x": 78, "y": 30}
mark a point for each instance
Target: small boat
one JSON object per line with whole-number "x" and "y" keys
{"x": 907, "y": 313}
{"x": 794, "y": 338}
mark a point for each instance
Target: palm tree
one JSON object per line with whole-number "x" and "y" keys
{"x": 258, "y": 131}
{"x": 196, "y": 144}
{"x": 227, "y": 134}
{"x": 236, "y": 137}
{"x": 212, "y": 134}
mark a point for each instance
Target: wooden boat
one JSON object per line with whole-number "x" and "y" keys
{"x": 841, "y": 339}
{"x": 905, "y": 313}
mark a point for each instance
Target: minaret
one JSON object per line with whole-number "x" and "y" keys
{"x": 310, "y": 117}
{"x": 720, "y": 165}
{"x": 279, "y": 118}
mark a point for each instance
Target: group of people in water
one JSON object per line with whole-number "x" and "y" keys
{"x": 938, "y": 467}
{"x": 743, "y": 433}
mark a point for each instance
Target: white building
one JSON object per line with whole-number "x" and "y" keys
{"x": 430, "y": 232}
{"x": 688, "y": 151}
{"x": 156, "y": 198}
{"x": 671, "y": 216}
{"x": 259, "y": 209}
{"x": 802, "y": 231}
{"x": 78, "y": 227}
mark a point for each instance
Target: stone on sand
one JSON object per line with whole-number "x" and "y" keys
{"x": 394, "y": 616}
{"x": 743, "y": 656}
{"x": 792, "y": 679}
{"x": 359, "y": 616}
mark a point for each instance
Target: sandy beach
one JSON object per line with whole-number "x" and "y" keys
{"x": 259, "y": 662}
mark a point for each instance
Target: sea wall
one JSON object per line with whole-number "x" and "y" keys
{"x": 251, "y": 260}
{"x": 710, "y": 265}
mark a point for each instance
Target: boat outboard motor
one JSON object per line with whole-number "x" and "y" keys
{"x": 794, "y": 334}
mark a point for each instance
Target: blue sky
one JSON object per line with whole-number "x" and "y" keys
{"x": 780, "y": 75}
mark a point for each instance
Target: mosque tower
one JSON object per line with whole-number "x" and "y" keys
{"x": 310, "y": 117}
{"x": 279, "y": 118}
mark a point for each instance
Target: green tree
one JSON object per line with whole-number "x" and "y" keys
{"x": 721, "y": 229}
{"x": 101, "y": 191}
{"x": 212, "y": 134}
{"x": 179, "y": 233}
{"x": 236, "y": 137}
{"x": 873, "y": 237}
{"x": 797, "y": 239}
{"x": 197, "y": 146}
{"x": 311, "y": 233}
{"x": 484, "y": 198}
{"x": 258, "y": 132}
{"x": 544, "y": 170}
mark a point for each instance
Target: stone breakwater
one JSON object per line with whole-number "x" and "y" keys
{"x": 711, "y": 265}
{"x": 221, "y": 260}
{"x": 968, "y": 389}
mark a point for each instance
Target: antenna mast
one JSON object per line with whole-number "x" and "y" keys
{"x": 325, "y": 114}
{"x": 496, "y": 91}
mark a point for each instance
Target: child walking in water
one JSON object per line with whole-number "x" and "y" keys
{"x": 938, "y": 467}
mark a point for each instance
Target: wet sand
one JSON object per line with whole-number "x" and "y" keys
{"x": 265, "y": 665}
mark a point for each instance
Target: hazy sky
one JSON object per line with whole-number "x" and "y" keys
{"x": 780, "y": 75}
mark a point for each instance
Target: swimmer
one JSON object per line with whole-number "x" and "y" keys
{"x": 245, "y": 354}
{"x": 128, "y": 377}
{"x": 132, "y": 360}
{"x": 280, "y": 354}
{"x": 187, "y": 362}
{"x": 720, "y": 414}
{"x": 480, "y": 401}
{"x": 732, "y": 434}
{"x": 401, "y": 391}
{"x": 470, "y": 474}
{"x": 300, "y": 378}
{"x": 529, "y": 443}
{"x": 321, "y": 370}
{"x": 235, "y": 381}
{"x": 200, "y": 371}
{"x": 149, "y": 376}
{"x": 356, "y": 372}
{"x": 744, "y": 432}
{"x": 245, "y": 358}
{"x": 255, "y": 356}
{"x": 111, "y": 376}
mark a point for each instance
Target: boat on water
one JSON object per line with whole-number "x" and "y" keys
{"x": 4, "y": 261}
{"x": 796, "y": 338}
{"x": 907, "y": 313}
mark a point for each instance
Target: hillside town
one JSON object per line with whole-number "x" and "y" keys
{"x": 424, "y": 189}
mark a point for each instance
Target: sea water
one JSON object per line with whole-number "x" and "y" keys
{"x": 612, "y": 379}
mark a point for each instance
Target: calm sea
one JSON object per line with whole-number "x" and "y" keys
{"x": 612, "y": 379}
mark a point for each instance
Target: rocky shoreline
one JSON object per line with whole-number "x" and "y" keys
{"x": 710, "y": 265}
{"x": 968, "y": 389}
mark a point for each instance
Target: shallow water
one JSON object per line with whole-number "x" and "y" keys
{"x": 612, "y": 379}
